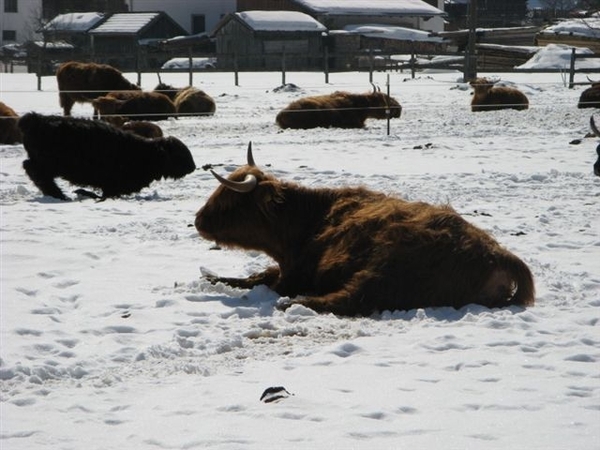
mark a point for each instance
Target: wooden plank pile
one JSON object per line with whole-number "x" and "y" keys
{"x": 501, "y": 57}
{"x": 543, "y": 39}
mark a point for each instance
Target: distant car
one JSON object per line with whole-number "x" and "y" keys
{"x": 13, "y": 51}
{"x": 184, "y": 64}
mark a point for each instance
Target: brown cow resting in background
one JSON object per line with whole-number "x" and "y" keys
{"x": 135, "y": 105}
{"x": 487, "y": 97}
{"x": 590, "y": 97}
{"x": 189, "y": 101}
{"x": 83, "y": 82}
{"x": 141, "y": 128}
{"x": 9, "y": 131}
{"x": 352, "y": 251}
{"x": 339, "y": 109}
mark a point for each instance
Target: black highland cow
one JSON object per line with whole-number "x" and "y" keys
{"x": 96, "y": 154}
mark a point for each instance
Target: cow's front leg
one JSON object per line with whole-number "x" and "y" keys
{"x": 269, "y": 277}
{"x": 43, "y": 179}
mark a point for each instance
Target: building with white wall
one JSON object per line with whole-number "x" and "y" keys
{"x": 195, "y": 16}
{"x": 19, "y": 20}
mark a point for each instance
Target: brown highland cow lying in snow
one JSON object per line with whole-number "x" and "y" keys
{"x": 146, "y": 106}
{"x": 590, "y": 97}
{"x": 487, "y": 97}
{"x": 189, "y": 101}
{"x": 339, "y": 109}
{"x": 352, "y": 251}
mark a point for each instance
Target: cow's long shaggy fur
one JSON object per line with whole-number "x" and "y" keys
{"x": 9, "y": 131}
{"x": 590, "y": 97}
{"x": 136, "y": 105}
{"x": 339, "y": 109}
{"x": 487, "y": 97}
{"x": 352, "y": 251}
{"x": 96, "y": 154}
{"x": 83, "y": 82}
{"x": 596, "y": 132}
{"x": 189, "y": 101}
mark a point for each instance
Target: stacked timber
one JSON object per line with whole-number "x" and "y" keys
{"x": 501, "y": 36}
{"x": 502, "y": 57}
{"x": 572, "y": 40}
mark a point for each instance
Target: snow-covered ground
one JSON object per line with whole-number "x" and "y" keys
{"x": 110, "y": 338}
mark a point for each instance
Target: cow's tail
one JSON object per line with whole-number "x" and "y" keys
{"x": 524, "y": 294}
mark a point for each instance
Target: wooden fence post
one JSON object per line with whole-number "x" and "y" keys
{"x": 413, "y": 61}
{"x": 572, "y": 69}
{"x": 388, "y": 112}
{"x": 235, "y": 70}
{"x": 326, "y": 64}
{"x": 190, "y": 66}
{"x": 137, "y": 66}
{"x": 370, "y": 65}
{"x": 283, "y": 67}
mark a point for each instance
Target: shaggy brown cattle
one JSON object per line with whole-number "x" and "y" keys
{"x": 141, "y": 128}
{"x": 136, "y": 105}
{"x": 352, "y": 251}
{"x": 96, "y": 154}
{"x": 597, "y": 133}
{"x": 590, "y": 97}
{"x": 189, "y": 101}
{"x": 339, "y": 109}
{"x": 487, "y": 97}
{"x": 83, "y": 82}
{"x": 9, "y": 131}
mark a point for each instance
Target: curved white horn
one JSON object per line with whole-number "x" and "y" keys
{"x": 249, "y": 157}
{"x": 242, "y": 187}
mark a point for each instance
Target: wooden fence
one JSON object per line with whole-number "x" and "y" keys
{"x": 490, "y": 59}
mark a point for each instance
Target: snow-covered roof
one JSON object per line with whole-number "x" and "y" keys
{"x": 393, "y": 32}
{"x": 589, "y": 27}
{"x": 558, "y": 56}
{"x": 125, "y": 23}
{"x": 371, "y": 7}
{"x": 78, "y": 21}
{"x": 280, "y": 21}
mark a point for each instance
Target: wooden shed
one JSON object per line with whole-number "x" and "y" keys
{"x": 125, "y": 40}
{"x": 269, "y": 40}
{"x": 72, "y": 28}
{"x": 336, "y": 14}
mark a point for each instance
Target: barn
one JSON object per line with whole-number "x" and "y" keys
{"x": 336, "y": 14}
{"x": 124, "y": 40}
{"x": 347, "y": 43}
{"x": 72, "y": 28}
{"x": 262, "y": 40}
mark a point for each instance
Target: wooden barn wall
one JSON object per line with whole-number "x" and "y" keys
{"x": 262, "y": 51}
{"x": 162, "y": 28}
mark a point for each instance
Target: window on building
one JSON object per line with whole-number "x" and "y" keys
{"x": 10, "y": 6}
{"x": 198, "y": 23}
{"x": 9, "y": 35}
